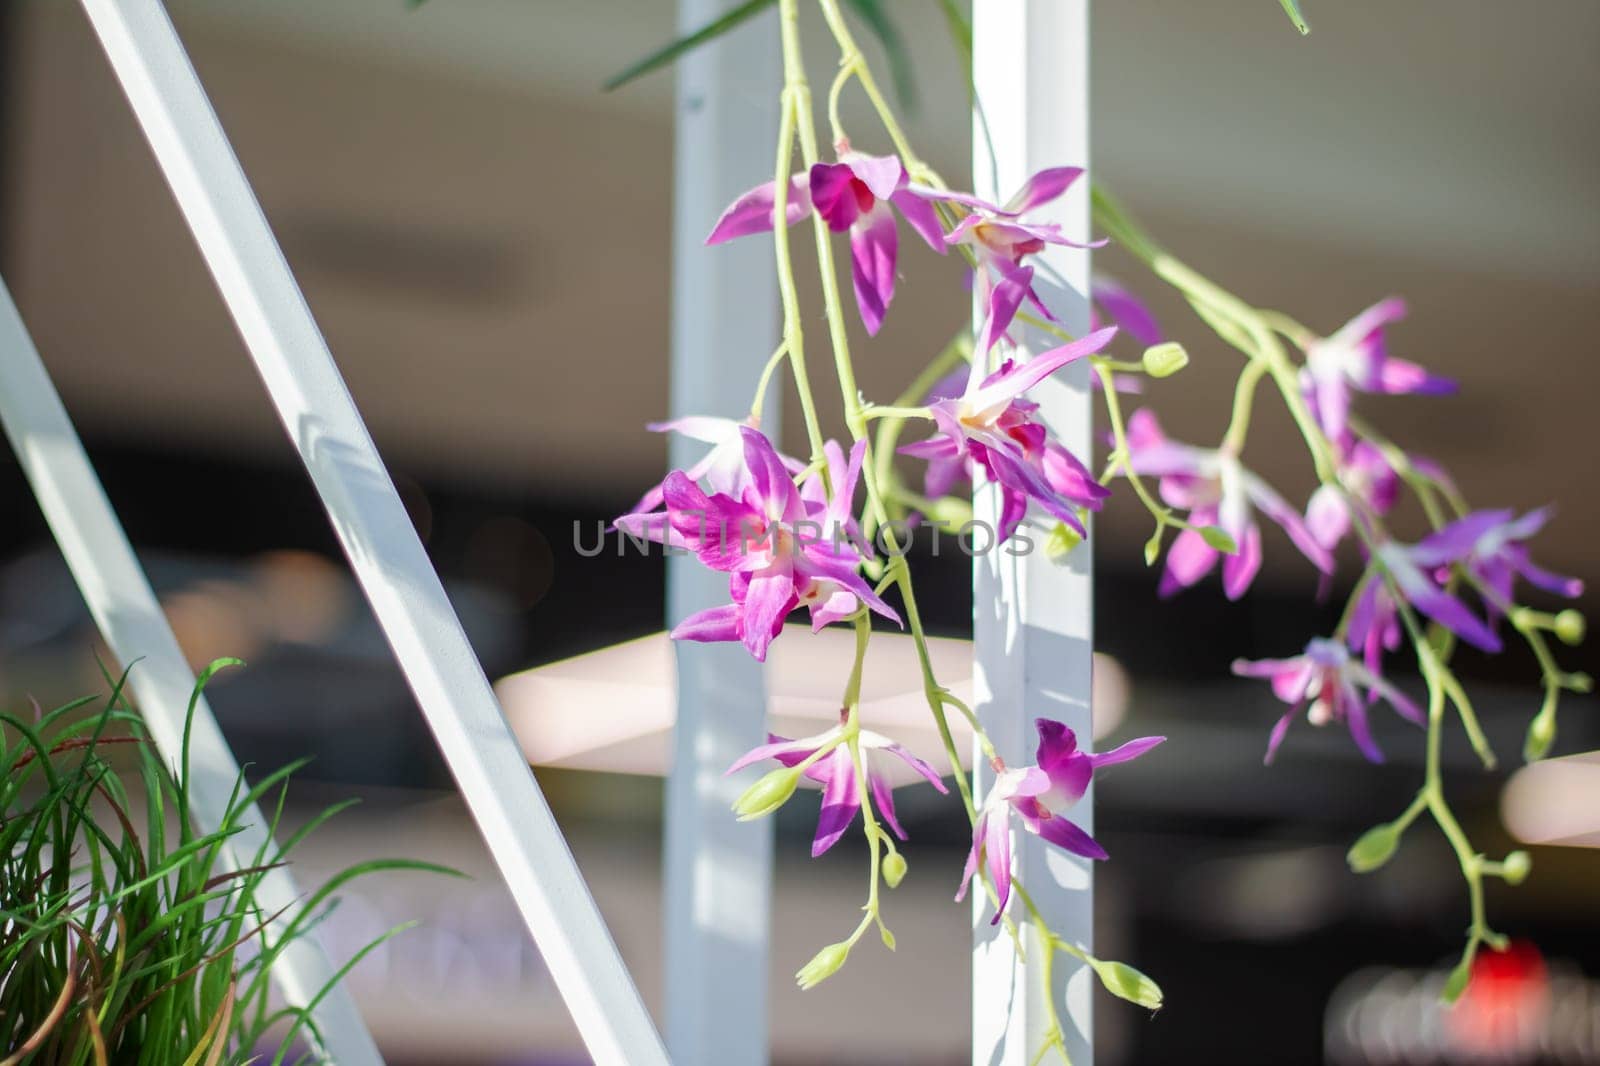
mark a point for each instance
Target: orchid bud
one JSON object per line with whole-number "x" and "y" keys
{"x": 1580, "y": 682}
{"x": 1063, "y": 538}
{"x": 1569, "y": 626}
{"x": 1515, "y": 868}
{"x": 823, "y": 965}
{"x": 1125, "y": 982}
{"x": 1373, "y": 848}
{"x": 894, "y": 869}
{"x": 887, "y": 937}
{"x": 1219, "y": 538}
{"x": 1541, "y": 734}
{"x": 1456, "y": 983}
{"x": 767, "y": 794}
{"x": 1152, "y": 548}
{"x": 1165, "y": 360}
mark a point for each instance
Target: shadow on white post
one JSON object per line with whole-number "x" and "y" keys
{"x": 718, "y": 880}
{"x": 1033, "y": 617}
{"x": 375, "y": 531}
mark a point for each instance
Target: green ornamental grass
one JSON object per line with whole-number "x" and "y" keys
{"x": 122, "y": 949}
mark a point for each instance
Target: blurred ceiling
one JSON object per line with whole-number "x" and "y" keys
{"x": 483, "y": 234}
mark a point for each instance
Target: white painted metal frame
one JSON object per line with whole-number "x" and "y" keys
{"x": 718, "y": 877}
{"x": 126, "y": 610}
{"x": 1033, "y": 617}
{"x": 374, "y": 529}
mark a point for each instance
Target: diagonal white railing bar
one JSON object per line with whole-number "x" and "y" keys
{"x": 718, "y": 877}
{"x": 130, "y": 618}
{"x": 1033, "y": 618}
{"x": 372, "y": 525}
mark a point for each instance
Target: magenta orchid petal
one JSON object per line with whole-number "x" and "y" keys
{"x": 883, "y": 799}
{"x": 788, "y": 752}
{"x": 1005, "y": 297}
{"x": 1126, "y": 310}
{"x": 906, "y": 756}
{"x": 881, "y": 174}
{"x": 1009, "y": 384}
{"x": 1189, "y": 560}
{"x": 838, "y": 196}
{"x": 840, "y": 800}
{"x": 1125, "y": 752}
{"x": 997, "y": 850}
{"x": 753, "y": 212}
{"x": 1065, "y": 834}
{"x": 874, "y": 245}
{"x": 1399, "y": 376}
{"x": 921, "y": 217}
{"x": 1040, "y": 189}
{"x": 709, "y": 626}
{"x": 1240, "y": 568}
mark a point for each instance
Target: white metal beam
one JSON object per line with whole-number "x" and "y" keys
{"x": 130, "y": 618}
{"x": 374, "y": 529}
{"x": 1033, "y": 617}
{"x": 718, "y": 883}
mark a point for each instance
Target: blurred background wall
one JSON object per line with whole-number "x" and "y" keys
{"x": 482, "y": 234}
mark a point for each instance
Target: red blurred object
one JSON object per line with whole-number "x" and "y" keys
{"x": 1506, "y": 1002}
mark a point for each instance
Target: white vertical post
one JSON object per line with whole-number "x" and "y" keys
{"x": 1033, "y": 618}
{"x": 125, "y": 608}
{"x": 374, "y": 529}
{"x": 724, "y": 323}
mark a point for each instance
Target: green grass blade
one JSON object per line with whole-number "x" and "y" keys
{"x": 689, "y": 42}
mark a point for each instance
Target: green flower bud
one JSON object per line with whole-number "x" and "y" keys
{"x": 767, "y": 794}
{"x": 1515, "y": 868}
{"x": 1152, "y": 548}
{"x": 1063, "y": 538}
{"x": 1125, "y": 982}
{"x": 1373, "y": 848}
{"x": 950, "y": 512}
{"x": 823, "y": 965}
{"x": 894, "y": 869}
{"x": 1165, "y": 360}
{"x": 888, "y": 937}
{"x": 1218, "y": 538}
{"x": 1541, "y": 734}
{"x": 1570, "y": 626}
{"x": 1580, "y": 682}
{"x": 1457, "y": 982}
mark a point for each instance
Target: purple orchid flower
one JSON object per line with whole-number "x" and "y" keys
{"x": 722, "y": 468}
{"x": 1365, "y": 475}
{"x": 853, "y": 194}
{"x": 1041, "y": 795}
{"x": 989, "y": 425}
{"x": 836, "y": 772}
{"x": 1356, "y": 357}
{"x": 1000, "y": 237}
{"x": 1333, "y": 683}
{"x": 783, "y": 547}
{"x": 1490, "y": 545}
{"x": 1216, "y": 490}
{"x": 1410, "y": 566}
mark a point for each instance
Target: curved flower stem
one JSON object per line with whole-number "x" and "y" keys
{"x": 852, "y": 64}
{"x": 760, "y": 400}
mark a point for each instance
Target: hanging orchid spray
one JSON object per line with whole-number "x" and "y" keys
{"x": 791, "y": 533}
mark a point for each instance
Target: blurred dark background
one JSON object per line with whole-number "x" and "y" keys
{"x": 483, "y": 236}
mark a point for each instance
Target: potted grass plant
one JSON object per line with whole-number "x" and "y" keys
{"x": 127, "y": 936}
